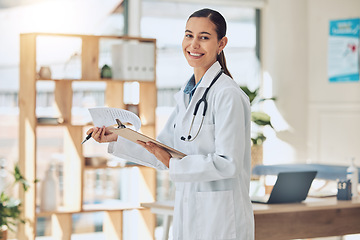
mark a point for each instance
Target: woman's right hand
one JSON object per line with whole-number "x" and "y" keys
{"x": 103, "y": 134}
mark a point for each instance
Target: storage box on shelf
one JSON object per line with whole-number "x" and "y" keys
{"x": 74, "y": 163}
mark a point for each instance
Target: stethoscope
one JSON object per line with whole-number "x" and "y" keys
{"x": 202, "y": 100}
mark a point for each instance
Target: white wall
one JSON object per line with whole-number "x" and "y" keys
{"x": 323, "y": 117}
{"x": 334, "y": 108}
{"x": 284, "y": 57}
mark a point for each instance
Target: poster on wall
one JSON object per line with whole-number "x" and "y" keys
{"x": 343, "y": 50}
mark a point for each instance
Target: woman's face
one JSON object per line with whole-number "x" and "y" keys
{"x": 200, "y": 44}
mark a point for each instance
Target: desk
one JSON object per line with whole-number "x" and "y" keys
{"x": 316, "y": 217}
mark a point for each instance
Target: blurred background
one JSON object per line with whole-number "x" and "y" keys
{"x": 277, "y": 47}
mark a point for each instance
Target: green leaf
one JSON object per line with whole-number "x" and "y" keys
{"x": 10, "y": 207}
{"x": 259, "y": 139}
{"x": 251, "y": 94}
{"x": 261, "y": 118}
{"x": 20, "y": 179}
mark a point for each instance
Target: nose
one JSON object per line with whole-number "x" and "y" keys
{"x": 195, "y": 43}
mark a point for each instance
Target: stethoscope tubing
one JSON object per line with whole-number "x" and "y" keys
{"x": 201, "y": 100}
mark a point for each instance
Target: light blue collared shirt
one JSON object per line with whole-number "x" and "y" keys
{"x": 191, "y": 87}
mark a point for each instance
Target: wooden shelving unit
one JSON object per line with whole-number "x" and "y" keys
{"x": 74, "y": 164}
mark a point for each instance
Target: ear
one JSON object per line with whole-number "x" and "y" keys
{"x": 222, "y": 43}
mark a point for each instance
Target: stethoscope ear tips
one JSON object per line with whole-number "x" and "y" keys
{"x": 182, "y": 138}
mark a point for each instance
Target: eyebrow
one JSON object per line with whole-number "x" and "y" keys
{"x": 200, "y": 32}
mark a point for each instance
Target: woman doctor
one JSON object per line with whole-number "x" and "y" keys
{"x": 212, "y": 180}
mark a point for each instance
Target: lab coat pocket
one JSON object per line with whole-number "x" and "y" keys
{"x": 215, "y": 215}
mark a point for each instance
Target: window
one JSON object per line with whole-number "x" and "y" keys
{"x": 166, "y": 21}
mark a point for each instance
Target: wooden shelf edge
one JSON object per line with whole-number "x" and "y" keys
{"x": 87, "y": 208}
{"x": 98, "y": 80}
{"x": 90, "y": 208}
{"x": 87, "y": 167}
{"x": 85, "y": 35}
{"x": 63, "y": 125}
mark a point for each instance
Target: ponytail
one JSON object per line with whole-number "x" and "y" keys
{"x": 221, "y": 59}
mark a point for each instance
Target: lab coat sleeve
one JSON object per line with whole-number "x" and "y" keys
{"x": 231, "y": 113}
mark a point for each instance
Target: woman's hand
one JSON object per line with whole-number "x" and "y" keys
{"x": 103, "y": 134}
{"x": 160, "y": 153}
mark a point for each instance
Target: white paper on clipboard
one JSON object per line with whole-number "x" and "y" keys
{"x": 105, "y": 116}
{"x": 133, "y": 136}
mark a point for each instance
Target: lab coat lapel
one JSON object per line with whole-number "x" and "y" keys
{"x": 183, "y": 110}
{"x": 180, "y": 99}
{"x": 205, "y": 82}
{"x": 209, "y": 76}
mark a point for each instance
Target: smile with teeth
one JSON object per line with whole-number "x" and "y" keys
{"x": 195, "y": 54}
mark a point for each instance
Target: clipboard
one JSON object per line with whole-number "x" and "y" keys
{"x": 133, "y": 136}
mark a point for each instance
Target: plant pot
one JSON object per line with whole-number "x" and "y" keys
{"x": 256, "y": 155}
{"x": 3, "y": 233}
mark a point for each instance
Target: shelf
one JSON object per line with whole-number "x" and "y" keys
{"x": 89, "y": 208}
{"x": 97, "y": 80}
{"x": 73, "y": 134}
{"x": 87, "y": 167}
{"x": 129, "y": 38}
{"x": 64, "y": 125}
{"x": 106, "y": 208}
{"x": 78, "y": 236}
{"x": 90, "y": 124}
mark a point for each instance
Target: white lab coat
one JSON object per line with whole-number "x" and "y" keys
{"x": 212, "y": 181}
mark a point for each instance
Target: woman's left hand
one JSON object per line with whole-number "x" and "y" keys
{"x": 160, "y": 153}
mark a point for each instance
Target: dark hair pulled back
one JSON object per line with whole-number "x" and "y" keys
{"x": 219, "y": 21}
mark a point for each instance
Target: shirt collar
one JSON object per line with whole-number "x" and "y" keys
{"x": 191, "y": 87}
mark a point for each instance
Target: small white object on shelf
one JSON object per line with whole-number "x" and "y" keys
{"x": 49, "y": 191}
{"x": 352, "y": 173}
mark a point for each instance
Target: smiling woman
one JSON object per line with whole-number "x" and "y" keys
{"x": 214, "y": 176}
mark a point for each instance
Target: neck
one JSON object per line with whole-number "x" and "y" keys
{"x": 198, "y": 73}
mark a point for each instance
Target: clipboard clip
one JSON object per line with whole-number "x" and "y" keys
{"x": 120, "y": 124}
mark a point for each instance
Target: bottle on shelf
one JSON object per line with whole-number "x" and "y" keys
{"x": 3, "y": 175}
{"x": 352, "y": 174}
{"x": 99, "y": 186}
{"x": 50, "y": 191}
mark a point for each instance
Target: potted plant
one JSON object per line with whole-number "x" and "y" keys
{"x": 259, "y": 120}
{"x": 10, "y": 206}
